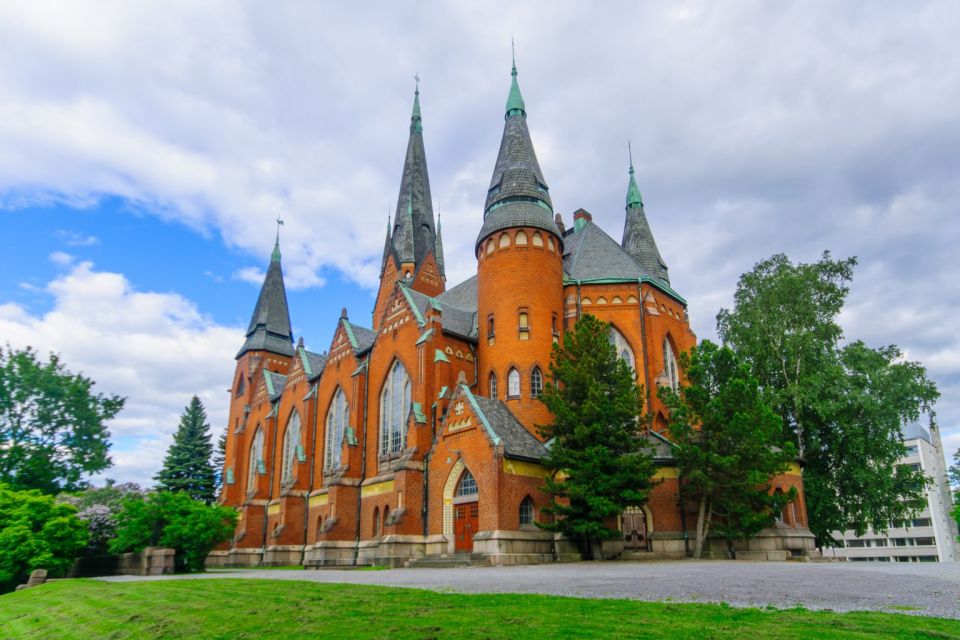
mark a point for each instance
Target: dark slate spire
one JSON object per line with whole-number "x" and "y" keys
{"x": 637, "y": 238}
{"x": 269, "y": 328}
{"x": 386, "y": 247}
{"x": 413, "y": 230}
{"x": 439, "y": 245}
{"x": 518, "y": 194}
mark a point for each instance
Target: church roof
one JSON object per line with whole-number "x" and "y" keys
{"x": 463, "y": 296}
{"x": 414, "y": 233}
{"x": 361, "y": 338}
{"x": 502, "y": 427}
{"x": 455, "y": 320}
{"x": 269, "y": 328}
{"x": 517, "y": 214}
{"x": 638, "y": 238}
{"x": 275, "y": 383}
{"x": 313, "y": 363}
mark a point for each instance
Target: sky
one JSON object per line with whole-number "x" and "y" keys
{"x": 146, "y": 150}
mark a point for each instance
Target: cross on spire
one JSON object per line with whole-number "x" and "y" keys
{"x": 276, "y": 247}
{"x": 416, "y": 77}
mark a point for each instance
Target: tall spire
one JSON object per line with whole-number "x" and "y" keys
{"x": 269, "y": 328}
{"x": 439, "y": 243}
{"x": 413, "y": 225}
{"x": 637, "y": 237}
{"x": 386, "y": 247}
{"x": 518, "y": 195}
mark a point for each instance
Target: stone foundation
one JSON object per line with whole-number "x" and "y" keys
{"x": 249, "y": 557}
{"x": 775, "y": 543}
{"x": 500, "y": 547}
{"x": 330, "y": 553}
{"x": 283, "y": 555}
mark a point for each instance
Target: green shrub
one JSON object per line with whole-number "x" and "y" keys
{"x": 173, "y": 520}
{"x": 36, "y": 533}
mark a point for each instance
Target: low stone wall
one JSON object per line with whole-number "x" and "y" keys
{"x": 775, "y": 544}
{"x": 152, "y": 561}
{"x": 509, "y": 547}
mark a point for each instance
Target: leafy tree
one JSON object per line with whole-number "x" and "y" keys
{"x": 842, "y": 406}
{"x": 187, "y": 466}
{"x": 173, "y": 520}
{"x": 727, "y": 449}
{"x": 52, "y": 425}
{"x": 36, "y": 532}
{"x": 98, "y": 508}
{"x": 219, "y": 460}
{"x": 599, "y": 457}
{"x": 953, "y": 473}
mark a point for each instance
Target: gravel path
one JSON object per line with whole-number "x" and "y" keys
{"x": 922, "y": 589}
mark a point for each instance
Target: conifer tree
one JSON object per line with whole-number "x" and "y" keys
{"x": 219, "y": 460}
{"x": 187, "y": 466}
{"x": 599, "y": 456}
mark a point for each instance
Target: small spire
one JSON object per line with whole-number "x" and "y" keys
{"x": 416, "y": 122}
{"x": 276, "y": 246}
{"x": 439, "y": 245}
{"x": 634, "y": 199}
{"x": 515, "y": 105}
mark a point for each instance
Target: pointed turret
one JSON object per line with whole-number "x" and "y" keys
{"x": 413, "y": 227}
{"x": 439, "y": 244}
{"x": 518, "y": 194}
{"x": 269, "y": 328}
{"x": 387, "y": 247}
{"x": 637, "y": 238}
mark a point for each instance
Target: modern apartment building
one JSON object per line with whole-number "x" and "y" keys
{"x": 930, "y": 536}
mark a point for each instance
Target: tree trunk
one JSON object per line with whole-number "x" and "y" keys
{"x": 702, "y": 527}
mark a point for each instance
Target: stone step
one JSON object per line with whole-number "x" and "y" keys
{"x": 642, "y": 556}
{"x": 448, "y": 560}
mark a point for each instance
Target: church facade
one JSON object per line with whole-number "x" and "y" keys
{"x": 416, "y": 435}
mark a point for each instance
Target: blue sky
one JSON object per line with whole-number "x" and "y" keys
{"x": 147, "y": 148}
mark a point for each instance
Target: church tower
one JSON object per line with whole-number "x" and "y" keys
{"x": 412, "y": 253}
{"x": 637, "y": 238}
{"x": 519, "y": 273}
{"x": 268, "y": 346}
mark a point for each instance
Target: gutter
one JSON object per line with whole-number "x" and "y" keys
{"x": 313, "y": 460}
{"x": 363, "y": 454}
{"x": 266, "y": 507}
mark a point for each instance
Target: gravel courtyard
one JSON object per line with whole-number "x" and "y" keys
{"x": 922, "y": 588}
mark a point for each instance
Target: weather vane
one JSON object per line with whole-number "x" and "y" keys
{"x": 416, "y": 77}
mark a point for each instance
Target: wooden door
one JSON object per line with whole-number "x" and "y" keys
{"x": 465, "y": 525}
{"x": 634, "y": 527}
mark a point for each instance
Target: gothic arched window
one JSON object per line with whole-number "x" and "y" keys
{"x": 521, "y": 238}
{"x": 526, "y": 512}
{"x": 513, "y": 384}
{"x": 493, "y": 385}
{"x": 670, "y": 368}
{"x": 467, "y": 486}
{"x": 504, "y": 240}
{"x": 256, "y": 464}
{"x": 394, "y": 409}
{"x": 536, "y": 383}
{"x": 291, "y": 440}
{"x": 537, "y": 239}
{"x": 622, "y": 347}
{"x": 337, "y": 417}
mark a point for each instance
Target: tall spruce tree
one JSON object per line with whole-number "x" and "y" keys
{"x": 599, "y": 455}
{"x": 843, "y": 406}
{"x": 728, "y": 446}
{"x": 219, "y": 460}
{"x": 187, "y": 466}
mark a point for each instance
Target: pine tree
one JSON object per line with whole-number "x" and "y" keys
{"x": 599, "y": 456}
{"x": 187, "y": 466}
{"x": 219, "y": 460}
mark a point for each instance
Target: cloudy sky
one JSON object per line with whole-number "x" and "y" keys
{"x": 146, "y": 149}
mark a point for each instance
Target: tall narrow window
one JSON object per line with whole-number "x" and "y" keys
{"x": 622, "y": 347}
{"x": 256, "y": 465}
{"x": 670, "y": 368}
{"x": 524, "y": 319}
{"x": 490, "y": 332}
{"x": 536, "y": 383}
{"x": 337, "y": 417}
{"x": 526, "y": 512}
{"x": 239, "y": 385}
{"x": 513, "y": 384}
{"x": 394, "y": 409}
{"x": 493, "y": 385}
{"x": 291, "y": 440}
{"x": 376, "y": 521}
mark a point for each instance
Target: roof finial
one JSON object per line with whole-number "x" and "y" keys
{"x": 416, "y": 77}
{"x": 276, "y": 247}
{"x": 416, "y": 122}
{"x": 515, "y": 106}
{"x": 513, "y": 56}
{"x": 630, "y": 152}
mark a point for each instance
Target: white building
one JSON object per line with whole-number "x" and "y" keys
{"x": 930, "y": 536}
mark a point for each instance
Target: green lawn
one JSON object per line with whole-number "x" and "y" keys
{"x": 236, "y": 609}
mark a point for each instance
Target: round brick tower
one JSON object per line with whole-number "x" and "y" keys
{"x": 519, "y": 274}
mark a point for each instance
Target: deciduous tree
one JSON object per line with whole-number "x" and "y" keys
{"x": 52, "y": 425}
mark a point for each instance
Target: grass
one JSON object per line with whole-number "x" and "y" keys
{"x": 247, "y": 609}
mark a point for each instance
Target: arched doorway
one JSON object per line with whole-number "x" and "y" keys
{"x": 466, "y": 512}
{"x": 636, "y": 527}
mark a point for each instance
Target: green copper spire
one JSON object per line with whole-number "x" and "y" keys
{"x": 515, "y": 106}
{"x": 416, "y": 123}
{"x": 633, "y": 191}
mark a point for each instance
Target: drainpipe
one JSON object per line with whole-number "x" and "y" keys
{"x": 425, "y": 511}
{"x": 313, "y": 459}
{"x": 266, "y": 507}
{"x": 476, "y": 370}
{"x": 643, "y": 343}
{"x": 363, "y": 453}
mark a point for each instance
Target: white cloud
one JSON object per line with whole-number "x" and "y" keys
{"x": 61, "y": 258}
{"x": 74, "y": 239}
{"x": 156, "y": 349}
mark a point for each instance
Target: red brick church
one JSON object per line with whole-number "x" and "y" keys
{"x": 415, "y": 435}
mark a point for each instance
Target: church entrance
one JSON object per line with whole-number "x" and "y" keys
{"x": 633, "y": 524}
{"x": 466, "y": 512}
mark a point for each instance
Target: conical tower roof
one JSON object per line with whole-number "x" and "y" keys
{"x": 413, "y": 229}
{"x": 518, "y": 193}
{"x": 269, "y": 328}
{"x": 637, "y": 237}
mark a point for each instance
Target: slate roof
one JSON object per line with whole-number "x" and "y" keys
{"x": 517, "y": 214}
{"x": 504, "y": 428}
{"x": 463, "y": 296}
{"x": 313, "y": 363}
{"x": 454, "y": 319}
{"x": 639, "y": 243}
{"x": 361, "y": 338}
{"x": 269, "y": 328}
{"x": 414, "y": 234}
{"x": 275, "y": 383}
{"x": 662, "y": 447}
{"x": 590, "y": 254}
{"x": 914, "y": 431}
